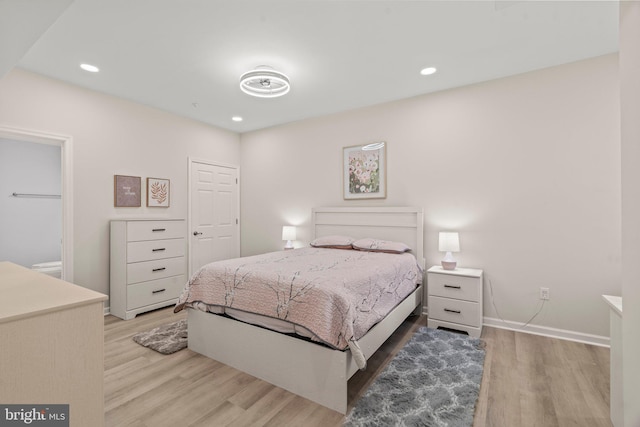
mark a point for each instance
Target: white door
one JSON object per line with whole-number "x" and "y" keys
{"x": 214, "y": 223}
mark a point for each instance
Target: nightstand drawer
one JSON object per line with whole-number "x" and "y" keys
{"x": 154, "y": 230}
{"x": 152, "y": 270}
{"x": 154, "y": 249}
{"x": 455, "y": 311}
{"x": 148, "y": 293}
{"x": 450, "y": 286}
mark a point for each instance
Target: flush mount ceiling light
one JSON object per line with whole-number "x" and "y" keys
{"x": 264, "y": 82}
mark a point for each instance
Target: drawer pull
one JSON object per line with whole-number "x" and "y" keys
{"x": 452, "y": 311}
{"x": 158, "y": 250}
{"x": 158, "y": 291}
{"x": 159, "y": 229}
{"x": 159, "y": 269}
{"x": 452, "y": 286}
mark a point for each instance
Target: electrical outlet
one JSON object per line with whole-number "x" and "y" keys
{"x": 544, "y": 293}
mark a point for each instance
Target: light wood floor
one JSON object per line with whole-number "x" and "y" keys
{"x": 528, "y": 381}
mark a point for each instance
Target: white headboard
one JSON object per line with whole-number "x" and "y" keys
{"x": 400, "y": 224}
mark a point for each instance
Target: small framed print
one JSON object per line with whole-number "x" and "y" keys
{"x": 364, "y": 171}
{"x": 126, "y": 191}
{"x": 158, "y": 193}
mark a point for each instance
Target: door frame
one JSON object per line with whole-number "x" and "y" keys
{"x": 191, "y": 161}
{"x": 65, "y": 142}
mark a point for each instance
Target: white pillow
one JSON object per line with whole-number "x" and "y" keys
{"x": 336, "y": 242}
{"x": 376, "y": 245}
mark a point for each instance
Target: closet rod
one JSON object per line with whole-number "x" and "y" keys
{"x": 49, "y": 196}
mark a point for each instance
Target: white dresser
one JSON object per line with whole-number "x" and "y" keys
{"x": 455, "y": 299}
{"x": 148, "y": 265}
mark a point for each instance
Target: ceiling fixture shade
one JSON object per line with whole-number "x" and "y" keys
{"x": 264, "y": 82}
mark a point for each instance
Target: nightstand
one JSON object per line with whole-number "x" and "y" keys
{"x": 455, "y": 299}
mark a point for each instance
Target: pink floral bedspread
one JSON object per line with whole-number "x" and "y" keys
{"x": 336, "y": 294}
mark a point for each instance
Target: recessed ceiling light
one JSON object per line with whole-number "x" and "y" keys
{"x": 264, "y": 82}
{"x": 236, "y": 118}
{"x": 90, "y": 68}
{"x": 428, "y": 71}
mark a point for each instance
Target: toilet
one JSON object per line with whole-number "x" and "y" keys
{"x": 53, "y": 269}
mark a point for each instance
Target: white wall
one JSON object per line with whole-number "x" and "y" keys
{"x": 526, "y": 168}
{"x": 111, "y": 136}
{"x": 30, "y": 228}
{"x": 630, "y": 102}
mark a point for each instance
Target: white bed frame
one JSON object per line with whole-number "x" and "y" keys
{"x": 307, "y": 369}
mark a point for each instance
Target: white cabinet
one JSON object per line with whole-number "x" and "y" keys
{"x": 615, "y": 365}
{"x": 148, "y": 265}
{"x": 455, "y": 299}
{"x": 52, "y": 345}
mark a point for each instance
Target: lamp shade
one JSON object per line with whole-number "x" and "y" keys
{"x": 448, "y": 241}
{"x": 288, "y": 232}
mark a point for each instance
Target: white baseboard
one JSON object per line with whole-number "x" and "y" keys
{"x": 545, "y": 331}
{"x": 107, "y": 311}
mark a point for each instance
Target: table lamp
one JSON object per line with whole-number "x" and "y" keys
{"x": 288, "y": 234}
{"x": 448, "y": 242}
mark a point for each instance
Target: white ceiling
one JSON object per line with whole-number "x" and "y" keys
{"x": 339, "y": 55}
{"x": 22, "y": 22}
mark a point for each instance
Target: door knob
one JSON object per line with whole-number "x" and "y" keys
{"x": 196, "y": 233}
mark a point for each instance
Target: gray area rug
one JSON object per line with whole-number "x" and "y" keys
{"x": 165, "y": 339}
{"x": 434, "y": 380}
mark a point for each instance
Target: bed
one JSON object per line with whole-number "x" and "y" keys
{"x": 318, "y": 367}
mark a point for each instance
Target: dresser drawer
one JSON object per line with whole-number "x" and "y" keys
{"x": 152, "y": 270}
{"x": 455, "y": 311}
{"x": 153, "y": 292}
{"x": 153, "y": 230}
{"x": 154, "y": 249}
{"x": 450, "y": 286}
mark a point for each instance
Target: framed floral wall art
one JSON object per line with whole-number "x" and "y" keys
{"x": 364, "y": 175}
{"x": 126, "y": 191}
{"x": 157, "y": 193}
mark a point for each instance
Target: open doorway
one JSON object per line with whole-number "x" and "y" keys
{"x": 35, "y": 202}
